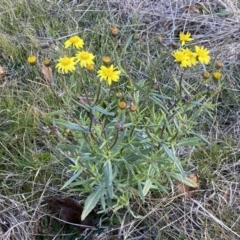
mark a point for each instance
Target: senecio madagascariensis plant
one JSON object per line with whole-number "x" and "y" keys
{"x": 186, "y": 57}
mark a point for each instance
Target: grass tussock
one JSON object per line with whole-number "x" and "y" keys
{"x": 32, "y": 169}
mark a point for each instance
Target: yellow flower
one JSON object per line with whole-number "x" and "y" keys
{"x": 85, "y": 58}
{"x": 66, "y": 64}
{"x": 32, "y": 59}
{"x": 185, "y": 38}
{"x": 75, "y": 41}
{"x": 181, "y": 57}
{"x": 217, "y": 75}
{"x": 202, "y": 54}
{"x": 192, "y": 57}
{"x": 109, "y": 74}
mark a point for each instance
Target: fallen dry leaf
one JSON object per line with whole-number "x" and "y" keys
{"x": 186, "y": 190}
{"x": 193, "y": 9}
{"x": 47, "y": 73}
{"x": 70, "y": 211}
{"x": 2, "y": 72}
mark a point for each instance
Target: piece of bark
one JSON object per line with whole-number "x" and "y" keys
{"x": 70, "y": 211}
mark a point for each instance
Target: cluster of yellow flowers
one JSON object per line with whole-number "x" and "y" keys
{"x": 187, "y": 58}
{"x": 86, "y": 60}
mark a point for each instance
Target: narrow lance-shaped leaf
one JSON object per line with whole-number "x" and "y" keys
{"x": 91, "y": 202}
{"x": 147, "y": 186}
{"x": 103, "y": 111}
{"x": 108, "y": 177}
{"x": 71, "y": 179}
{"x": 72, "y": 126}
{"x": 175, "y": 160}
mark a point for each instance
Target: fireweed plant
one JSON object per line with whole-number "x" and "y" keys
{"x": 126, "y": 133}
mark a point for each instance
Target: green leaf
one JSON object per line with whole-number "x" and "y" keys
{"x": 71, "y": 179}
{"x": 223, "y": 12}
{"x": 192, "y": 141}
{"x": 71, "y": 126}
{"x": 121, "y": 135}
{"x": 140, "y": 190}
{"x": 127, "y": 43}
{"x": 175, "y": 160}
{"x": 201, "y": 137}
{"x": 160, "y": 96}
{"x": 147, "y": 186}
{"x": 108, "y": 177}
{"x": 138, "y": 152}
{"x": 156, "y": 101}
{"x": 92, "y": 201}
{"x": 103, "y": 111}
{"x": 58, "y": 112}
{"x": 182, "y": 179}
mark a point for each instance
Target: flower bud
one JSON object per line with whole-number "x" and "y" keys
{"x": 122, "y": 105}
{"x": 219, "y": 64}
{"x": 206, "y": 75}
{"x": 46, "y": 62}
{"x": 106, "y": 59}
{"x": 90, "y": 67}
{"x": 217, "y": 75}
{"x": 119, "y": 95}
{"x": 133, "y": 108}
{"x": 32, "y": 60}
{"x": 114, "y": 31}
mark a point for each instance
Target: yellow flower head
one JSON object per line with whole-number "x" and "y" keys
{"x": 217, "y": 75}
{"x": 185, "y": 38}
{"x": 32, "y": 59}
{"x": 66, "y": 64}
{"x": 75, "y": 41}
{"x": 192, "y": 57}
{"x": 85, "y": 58}
{"x": 181, "y": 57}
{"x": 109, "y": 74}
{"x": 202, "y": 54}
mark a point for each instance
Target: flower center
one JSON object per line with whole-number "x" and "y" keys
{"x": 65, "y": 61}
{"x": 85, "y": 56}
{"x": 74, "y": 39}
{"x": 107, "y": 72}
